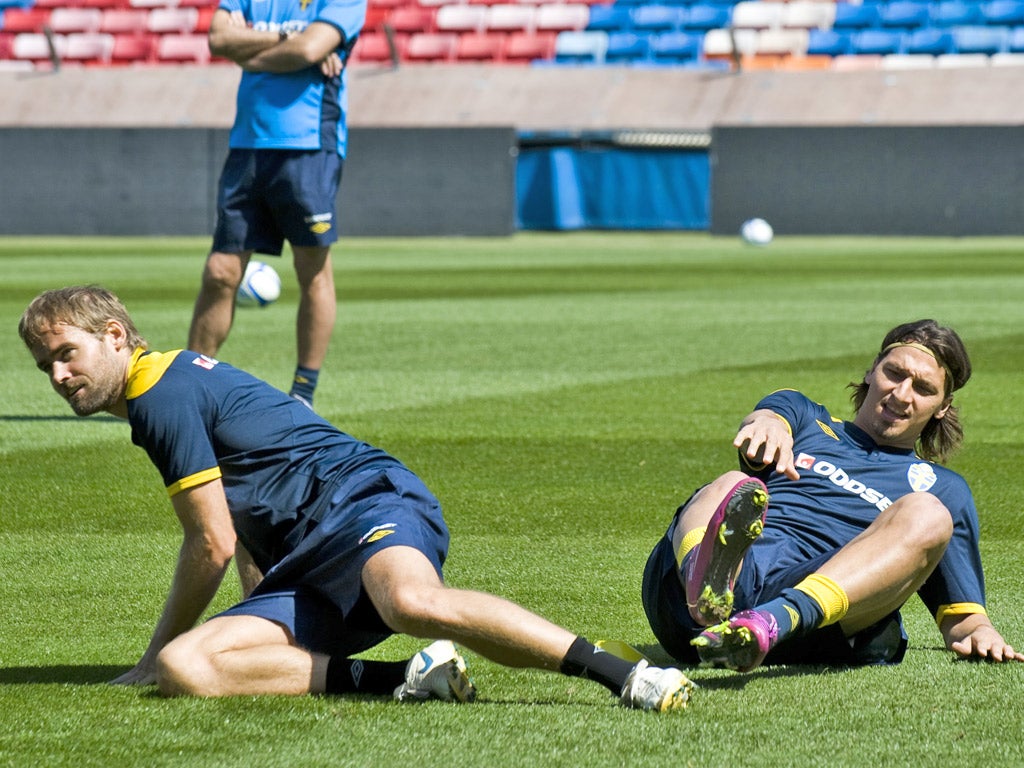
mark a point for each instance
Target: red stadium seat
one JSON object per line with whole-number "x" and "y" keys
{"x": 430, "y": 47}
{"x": 479, "y": 46}
{"x": 183, "y": 49}
{"x": 411, "y": 19}
{"x": 204, "y": 19}
{"x": 374, "y": 47}
{"x": 375, "y": 18}
{"x": 133, "y": 49}
{"x": 120, "y": 20}
{"x": 523, "y": 47}
{"x": 6, "y": 46}
{"x": 25, "y": 19}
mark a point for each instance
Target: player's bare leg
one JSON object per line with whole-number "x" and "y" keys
{"x": 316, "y": 317}
{"x": 214, "y": 309}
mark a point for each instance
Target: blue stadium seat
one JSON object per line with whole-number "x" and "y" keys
{"x": 877, "y": 41}
{"x": 903, "y": 14}
{"x": 934, "y": 41}
{"x": 849, "y": 16}
{"x": 609, "y": 17}
{"x": 987, "y": 40}
{"x": 1016, "y": 42}
{"x": 954, "y": 13}
{"x": 657, "y": 18}
{"x": 626, "y": 47}
{"x": 828, "y": 42}
{"x": 707, "y": 16}
{"x": 676, "y": 47}
{"x": 1008, "y": 13}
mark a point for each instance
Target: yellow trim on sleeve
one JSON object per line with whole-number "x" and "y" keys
{"x": 958, "y": 609}
{"x": 146, "y": 370}
{"x": 193, "y": 480}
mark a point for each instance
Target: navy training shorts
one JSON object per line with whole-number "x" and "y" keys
{"x": 316, "y": 591}
{"x": 768, "y": 568}
{"x": 267, "y": 196}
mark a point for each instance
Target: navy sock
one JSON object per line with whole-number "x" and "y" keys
{"x": 304, "y": 383}
{"x": 361, "y": 676}
{"x": 796, "y": 613}
{"x": 586, "y": 660}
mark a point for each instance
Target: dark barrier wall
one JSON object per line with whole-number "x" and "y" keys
{"x": 948, "y": 181}
{"x": 397, "y": 181}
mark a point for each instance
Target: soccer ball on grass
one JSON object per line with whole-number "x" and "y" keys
{"x": 260, "y": 286}
{"x": 756, "y": 232}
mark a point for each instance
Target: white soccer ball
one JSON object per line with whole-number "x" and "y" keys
{"x": 756, "y": 232}
{"x": 260, "y": 285}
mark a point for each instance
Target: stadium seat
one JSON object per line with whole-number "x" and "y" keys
{"x": 122, "y": 20}
{"x": 204, "y": 19}
{"x": 376, "y": 15}
{"x": 962, "y": 61}
{"x": 25, "y": 19}
{"x": 954, "y": 13}
{"x": 626, "y": 48}
{"x": 1015, "y": 42}
{"x": 808, "y": 14}
{"x": 676, "y": 47}
{"x": 850, "y": 16}
{"x": 703, "y": 16}
{"x": 460, "y": 18}
{"x": 903, "y": 14}
{"x": 75, "y": 19}
{"x": 6, "y": 45}
{"x": 89, "y": 47}
{"x": 35, "y": 47}
{"x": 610, "y": 18}
{"x": 657, "y": 18}
{"x": 479, "y": 46}
{"x": 409, "y": 19}
{"x": 1010, "y": 59}
{"x": 150, "y": 4}
{"x": 906, "y": 61}
{"x": 524, "y": 47}
{"x": 782, "y": 42}
{"x": 828, "y": 42}
{"x": 180, "y": 21}
{"x": 727, "y": 44}
{"x": 1007, "y": 13}
{"x": 877, "y": 41}
{"x": 133, "y": 49}
{"x": 183, "y": 49}
{"x": 559, "y": 17}
{"x": 506, "y": 17}
{"x": 986, "y": 40}
{"x": 428, "y": 47}
{"x": 933, "y": 41}
{"x": 581, "y": 47}
{"x": 754, "y": 14}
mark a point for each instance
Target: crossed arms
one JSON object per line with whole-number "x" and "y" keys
{"x": 264, "y": 50}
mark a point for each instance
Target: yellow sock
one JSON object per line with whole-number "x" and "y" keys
{"x": 827, "y": 594}
{"x": 690, "y": 540}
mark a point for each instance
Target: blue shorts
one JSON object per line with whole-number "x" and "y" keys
{"x": 316, "y": 591}
{"x": 267, "y": 196}
{"x": 770, "y": 566}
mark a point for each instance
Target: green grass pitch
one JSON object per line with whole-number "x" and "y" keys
{"x": 561, "y": 394}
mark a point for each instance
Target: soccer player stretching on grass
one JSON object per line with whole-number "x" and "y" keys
{"x": 858, "y": 522}
{"x": 348, "y": 541}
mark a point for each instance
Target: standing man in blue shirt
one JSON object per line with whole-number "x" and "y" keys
{"x": 287, "y": 147}
{"x": 862, "y": 516}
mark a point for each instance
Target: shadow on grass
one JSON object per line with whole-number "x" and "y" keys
{"x": 96, "y": 674}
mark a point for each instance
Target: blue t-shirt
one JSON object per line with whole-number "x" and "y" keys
{"x": 846, "y": 480}
{"x": 295, "y": 110}
{"x": 280, "y": 463}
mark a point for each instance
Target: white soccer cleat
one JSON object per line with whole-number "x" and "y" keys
{"x": 657, "y": 689}
{"x": 437, "y": 672}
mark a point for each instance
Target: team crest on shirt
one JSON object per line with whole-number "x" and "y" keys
{"x": 377, "y": 533}
{"x": 205, "y": 362}
{"x": 921, "y": 477}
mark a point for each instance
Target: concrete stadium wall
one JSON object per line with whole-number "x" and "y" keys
{"x": 154, "y": 181}
{"x": 398, "y": 184}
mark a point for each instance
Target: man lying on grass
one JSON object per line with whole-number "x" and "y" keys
{"x": 860, "y": 520}
{"x": 347, "y": 543}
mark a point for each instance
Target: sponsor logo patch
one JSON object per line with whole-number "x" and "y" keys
{"x": 827, "y": 429}
{"x": 205, "y": 362}
{"x": 377, "y": 533}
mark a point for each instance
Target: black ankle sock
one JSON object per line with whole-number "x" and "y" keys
{"x": 361, "y": 676}
{"x": 586, "y": 660}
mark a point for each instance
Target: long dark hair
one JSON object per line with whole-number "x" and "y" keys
{"x": 941, "y": 438}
